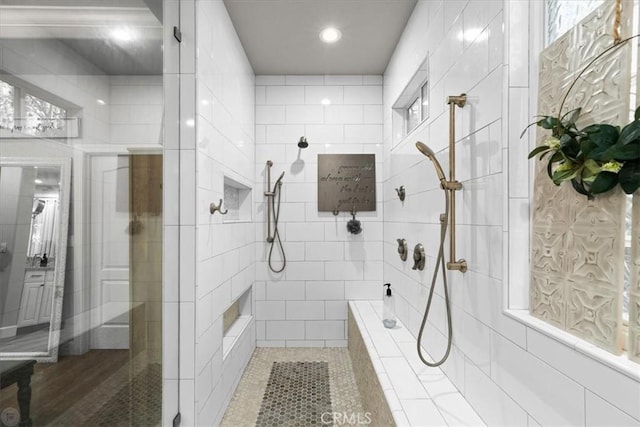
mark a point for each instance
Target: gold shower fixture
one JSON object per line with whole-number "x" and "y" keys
{"x": 451, "y": 185}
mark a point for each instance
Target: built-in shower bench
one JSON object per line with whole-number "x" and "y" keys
{"x": 388, "y": 371}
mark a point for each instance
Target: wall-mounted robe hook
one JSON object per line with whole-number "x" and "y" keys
{"x": 401, "y": 193}
{"x": 213, "y": 208}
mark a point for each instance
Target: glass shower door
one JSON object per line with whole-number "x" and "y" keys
{"x": 81, "y": 314}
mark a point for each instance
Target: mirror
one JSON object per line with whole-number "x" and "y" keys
{"x": 34, "y": 218}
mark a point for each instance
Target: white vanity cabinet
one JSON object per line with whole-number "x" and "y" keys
{"x": 35, "y": 304}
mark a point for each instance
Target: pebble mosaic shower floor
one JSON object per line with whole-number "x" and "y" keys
{"x": 296, "y": 387}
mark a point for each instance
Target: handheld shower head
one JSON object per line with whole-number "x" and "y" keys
{"x": 303, "y": 142}
{"x": 278, "y": 181}
{"x": 432, "y": 156}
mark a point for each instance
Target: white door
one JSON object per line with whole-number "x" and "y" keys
{"x": 46, "y": 303}
{"x": 109, "y": 252}
{"x": 30, "y": 304}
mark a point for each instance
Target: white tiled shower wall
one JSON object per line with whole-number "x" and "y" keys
{"x": 306, "y": 304}
{"x": 511, "y": 373}
{"x": 135, "y": 110}
{"x": 217, "y": 256}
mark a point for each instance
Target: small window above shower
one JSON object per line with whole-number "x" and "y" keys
{"x": 412, "y": 106}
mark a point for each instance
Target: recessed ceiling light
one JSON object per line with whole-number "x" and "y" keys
{"x": 330, "y": 35}
{"x": 38, "y": 181}
{"x": 325, "y": 101}
{"x": 101, "y": 102}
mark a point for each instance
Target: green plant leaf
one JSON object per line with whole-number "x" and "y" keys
{"x": 549, "y": 169}
{"x": 630, "y": 133}
{"x": 539, "y": 149}
{"x": 565, "y": 175}
{"x": 579, "y": 187}
{"x": 629, "y": 176}
{"x": 557, "y": 156}
{"x": 604, "y": 182}
{"x": 625, "y": 152}
{"x": 637, "y": 115}
{"x": 569, "y": 146}
{"x": 548, "y": 122}
{"x": 602, "y": 135}
{"x": 590, "y": 170}
{"x": 527, "y": 128}
{"x": 573, "y": 117}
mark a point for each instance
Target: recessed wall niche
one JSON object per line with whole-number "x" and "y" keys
{"x": 236, "y": 318}
{"x": 237, "y": 201}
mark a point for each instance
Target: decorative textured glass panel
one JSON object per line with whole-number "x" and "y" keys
{"x": 7, "y": 109}
{"x": 627, "y": 260}
{"x": 633, "y": 345}
{"x": 562, "y": 15}
{"x": 578, "y": 245}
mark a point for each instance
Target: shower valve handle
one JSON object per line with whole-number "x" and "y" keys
{"x": 418, "y": 257}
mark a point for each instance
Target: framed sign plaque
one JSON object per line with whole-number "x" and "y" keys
{"x": 346, "y": 182}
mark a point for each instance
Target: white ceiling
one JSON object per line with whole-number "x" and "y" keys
{"x": 282, "y": 36}
{"x": 86, "y": 26}
{"x": 279, "y": 36}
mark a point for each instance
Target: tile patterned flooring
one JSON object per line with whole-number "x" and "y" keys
{"x": 297, "y": 394}
{"x": 253, "y": 392}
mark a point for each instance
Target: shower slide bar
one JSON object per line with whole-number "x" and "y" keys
{"x": 452, "y": 185}
{"x": 269, "y": 194}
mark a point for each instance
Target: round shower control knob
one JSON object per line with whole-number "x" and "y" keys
{"x": 418, "y": 257}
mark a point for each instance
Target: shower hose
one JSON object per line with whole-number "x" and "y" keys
{"x": 439, "y": 265}
{"x": 276, "y": 234}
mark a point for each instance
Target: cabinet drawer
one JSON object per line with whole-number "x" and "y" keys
{"x": 35, "y": 276}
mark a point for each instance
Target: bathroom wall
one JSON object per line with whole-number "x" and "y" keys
{"x": 306, "y": 304}
{"x": 511, "y": 372}
{"x": 135, "y": 110}
{"x": 217, "y": 256}
{"x": 52, "y": 66}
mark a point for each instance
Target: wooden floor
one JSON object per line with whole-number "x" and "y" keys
{"x": 56, "y": 387}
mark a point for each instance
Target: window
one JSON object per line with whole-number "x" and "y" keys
{"x": 562, "y": 15}
{"x": 412, "y": 106}
{"x": 418, "y": 111}
{"x": 24, "y": 114}
{"x": 582, "y": 312}
{"x": 7, "y": 110}
{"x": 413, "y": 115}
{"x": 41, "y": 114}
{"x": 424, "y": 96}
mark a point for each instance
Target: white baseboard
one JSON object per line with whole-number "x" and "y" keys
{"x": 8, "y": 331}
